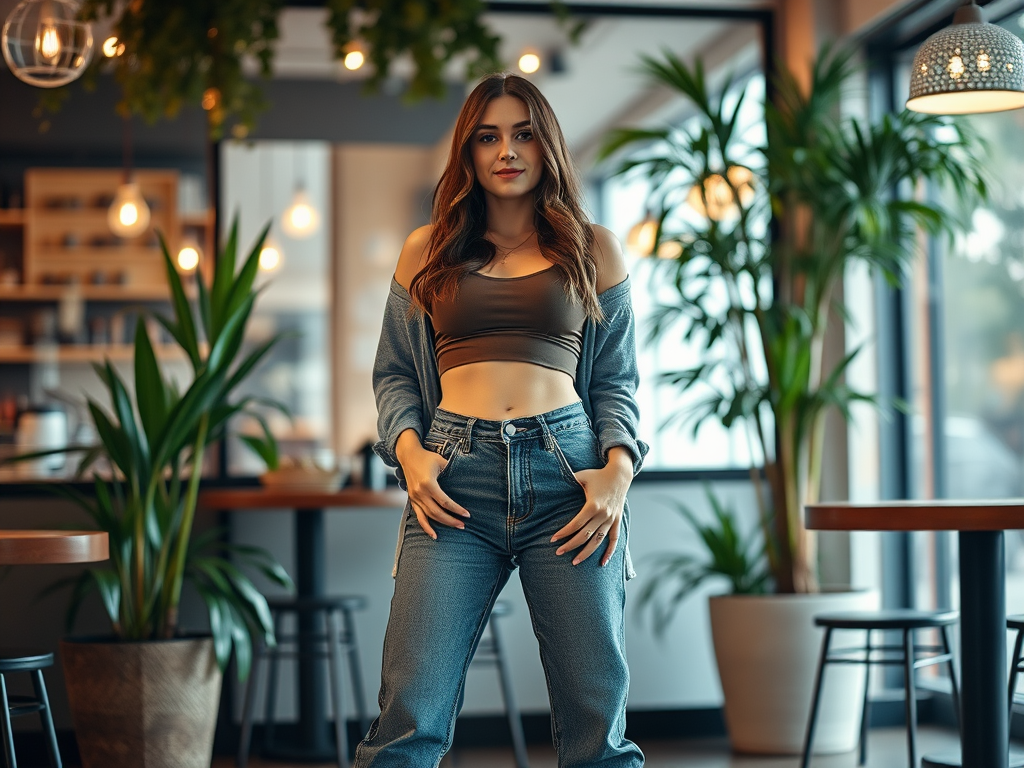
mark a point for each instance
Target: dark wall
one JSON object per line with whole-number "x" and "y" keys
{"x": 87, "y": 132}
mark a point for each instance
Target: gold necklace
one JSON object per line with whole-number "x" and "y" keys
{"x": 511, "y": 250}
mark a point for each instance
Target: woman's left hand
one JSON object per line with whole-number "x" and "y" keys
{"x": 601, "y": 515}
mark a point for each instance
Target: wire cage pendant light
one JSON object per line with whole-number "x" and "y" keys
{"x": 45, "y": 44}
{"x": 969, "y": 67}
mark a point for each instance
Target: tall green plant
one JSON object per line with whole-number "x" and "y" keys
{"x": 155, "y": 444}
{"x": 839, "y": 191}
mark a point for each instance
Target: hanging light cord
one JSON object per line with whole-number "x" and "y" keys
{"x": 127, "y": 149}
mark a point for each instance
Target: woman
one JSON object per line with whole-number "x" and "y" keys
{"x": 504, "y": 380}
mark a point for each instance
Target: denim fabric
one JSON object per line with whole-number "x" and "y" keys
{"x": 517, "y": 482}
{"x": 408, "y": 388}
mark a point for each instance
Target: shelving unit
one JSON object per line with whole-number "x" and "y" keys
{"x": 67, "y": 264}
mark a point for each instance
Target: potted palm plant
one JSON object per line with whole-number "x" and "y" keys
{"x": 755, "y": 239}
{"x": 149, "y": 695}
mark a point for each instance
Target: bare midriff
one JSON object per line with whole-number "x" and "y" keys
{"x": 501, "y": 389}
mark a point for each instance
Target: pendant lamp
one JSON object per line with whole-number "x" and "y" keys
{"x": 271, "y": 255}
{"x": 45, "y": 44}
{"x": 969, "y": 67}
{"x": 301, "y": 218}
{"x": 128, "y": 215}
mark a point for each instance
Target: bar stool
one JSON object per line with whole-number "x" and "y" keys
{"x": 14, "y": 706}
{"x": 491, "y": 650}
{"x": 339, "y": 635}
{"x": 906, "y": 654}
{"x": 1015, "y": 622}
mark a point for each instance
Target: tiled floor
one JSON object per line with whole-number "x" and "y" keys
{"x": 886, "y": 749}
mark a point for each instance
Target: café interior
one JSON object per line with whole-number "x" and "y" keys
{"x": 258, "y": 194}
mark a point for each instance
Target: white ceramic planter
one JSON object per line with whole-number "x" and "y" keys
{"x": 767, "y": 649}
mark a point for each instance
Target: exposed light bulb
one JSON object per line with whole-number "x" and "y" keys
{"x": 529, "y": 62}
{"x": 270, "y": 256}
{"x": 188, "y": 257}
{"x": 300, "y": 219}
{"x": 718, "y": 192}
{"x": 112, "y": 47}
{"x": 642, "y": 236}
{"x": 128, "y": 215}
{"x": 354, "y": 59}
{"x": 48, "y": 41}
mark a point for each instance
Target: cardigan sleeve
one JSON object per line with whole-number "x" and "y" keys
{"x": 396, "y": 384}
{"x": 614, "y": 376}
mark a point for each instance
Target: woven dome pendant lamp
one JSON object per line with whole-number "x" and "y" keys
{"x": 969, "y": 67}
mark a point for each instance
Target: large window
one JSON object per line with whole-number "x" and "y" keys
{"x": 965, "y": 303}
{"x": 674, "y": 444}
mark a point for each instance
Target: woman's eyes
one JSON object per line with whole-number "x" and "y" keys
{"x": 487, "y": 138}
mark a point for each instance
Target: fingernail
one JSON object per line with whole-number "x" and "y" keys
{"x": 461, "y": 527}
{"x": 559, "y": 552}
{"x": 575, "y": 562}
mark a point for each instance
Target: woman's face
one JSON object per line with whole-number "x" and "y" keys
{"x": 506, "y": 156}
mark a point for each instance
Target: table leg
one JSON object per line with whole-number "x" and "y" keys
{"x": 309, "y": 570}
{"x": 983, "y": 649}
{"x": 982, "y": 654}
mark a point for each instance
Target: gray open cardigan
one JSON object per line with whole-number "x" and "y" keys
{"x": 408, "y": 388}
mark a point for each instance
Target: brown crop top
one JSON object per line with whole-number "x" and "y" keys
{"x": 528, "y": 319}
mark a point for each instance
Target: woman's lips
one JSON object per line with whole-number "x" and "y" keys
{"x": 509, "y": 173}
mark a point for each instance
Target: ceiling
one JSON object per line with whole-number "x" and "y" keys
{"x": 591, "y": 85}
{"x": 596, "y": 84}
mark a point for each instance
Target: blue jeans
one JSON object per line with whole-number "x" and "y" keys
{"x": 516, "y": 479}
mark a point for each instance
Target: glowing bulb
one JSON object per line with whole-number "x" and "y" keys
{"x": 48, "y": 41}
{"x": 643, "y": 236}
{"x": 112, "y": 47}
{"x": 128, "y": 215}
{"x": 956, "y": 67}
{"x": 270, "y": 256}
{"x": 354, "y": 59}
{"x": 300, "y": 219}
{"x": 529, "y": 62}
{"x": 721, "y": 203}
{"x": 188, "y": 258}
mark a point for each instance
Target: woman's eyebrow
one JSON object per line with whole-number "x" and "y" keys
{"x": 520, "y": 124}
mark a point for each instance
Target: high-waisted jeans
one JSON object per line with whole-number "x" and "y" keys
{"x": 516, "y": 479}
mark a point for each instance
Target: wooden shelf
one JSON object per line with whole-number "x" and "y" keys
{"x": 84, "y": 353}
{"x": 125, "y": 293}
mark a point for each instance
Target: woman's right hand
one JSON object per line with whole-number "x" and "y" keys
{"x": 421, "y": 468}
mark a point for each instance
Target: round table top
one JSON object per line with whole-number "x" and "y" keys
{"x": 917, "y": 515}
{"x": 279, "y": 498}
{"x": 25, "y": 547}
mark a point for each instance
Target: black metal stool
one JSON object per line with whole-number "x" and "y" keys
{"x": 13, "y": 706}
{"x": 339, "y": 635}
{"x": 491, "y": 650}
{"x": 1015, "y": 622}
{"x": 905, "y": 655}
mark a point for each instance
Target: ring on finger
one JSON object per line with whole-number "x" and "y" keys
{"x": 600, "y": 535}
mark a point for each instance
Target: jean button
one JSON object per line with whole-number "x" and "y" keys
{"x": 510, "y": 429}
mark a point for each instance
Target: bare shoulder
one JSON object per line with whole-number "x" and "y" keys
{"x": 611, "y": 264}
{"x": 413, "y": 256}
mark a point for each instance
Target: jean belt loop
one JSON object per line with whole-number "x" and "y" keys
{"x": 549, "y": 441}
{"x": 467, "y": 436}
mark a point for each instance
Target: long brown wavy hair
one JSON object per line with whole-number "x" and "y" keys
{"x": 457, "y": 244}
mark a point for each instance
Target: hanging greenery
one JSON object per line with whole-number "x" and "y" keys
{"x": 430, "y": 32}
{"x": 190, "y": 52}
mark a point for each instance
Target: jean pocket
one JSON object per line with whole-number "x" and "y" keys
{"x": 444, "y": 445}
{"x": 576, "y": 450}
